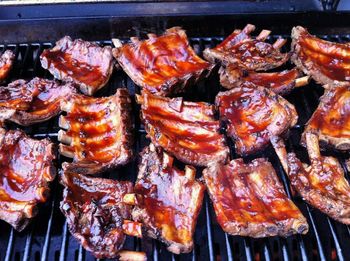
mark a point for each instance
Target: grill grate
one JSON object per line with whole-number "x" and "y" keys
{"x": 48, "y": 238}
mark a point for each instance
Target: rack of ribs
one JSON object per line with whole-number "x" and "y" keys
{"x": 6, "y": 64}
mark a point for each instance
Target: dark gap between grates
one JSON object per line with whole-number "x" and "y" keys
{"x": 48, "y": 238}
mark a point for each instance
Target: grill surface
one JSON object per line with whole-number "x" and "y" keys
{"x": 48, "y": 238}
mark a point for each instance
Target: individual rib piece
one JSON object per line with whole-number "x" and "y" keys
{"x": 6, "y": 63}
{"x": 326, "y": 62}
{"x": 322, "y": 184}
{"x": 163, "y": 65}
{"x": 99, "y": 132}
{"x": 331, "y": 120}
{"x": 247, "y": 53}
{"x": 26, "y": 168}
{"x": 254, "y": 115}
{"x": 96, "y": 213}
{"x": 249, "y": 200}
{"x": 84, "y": 63}
{"x": 186, "y": 130}
{"x": 167, "y": 200}
{"x": 32, "y": 102}
{"x": 279, "y": 82}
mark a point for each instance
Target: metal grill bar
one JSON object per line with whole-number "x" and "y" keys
{"x": 55, "y": 242}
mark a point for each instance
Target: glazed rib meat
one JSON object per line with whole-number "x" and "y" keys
{"x": 326, "y": 62}
{"x": 331, "y": 120}
{"x": 6, "y": 63}
{"x": 167, "y": 200}
{"x": 279, "y": 82}
{"x": 248, "y": 53}
{"x": 163, "y": 65}
{"x": 32, "y": 102}
{"x": 99, "y": 132}
{"x": 254, "y": 115}
{"x": 186, "y": 130}
{"x": 322, "y": 184}
{"x": 26, "y": 168}
{"x": 249, "y": 200}
{"x": 95, "y": 212}
{"x": 84, "y": 63}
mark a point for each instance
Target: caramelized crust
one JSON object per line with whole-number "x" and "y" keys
{"x": 326, "y": 62}
{"x": 248, "y": 53}
{"x": 163, "y": 65}
{"x": 249, "y": 200}
{"x": 184, "y": 129}
{"x": 32, "y": 102}
{"x": 279, "y": 82}
{"x": 331, "y": 120}
{"x": 99, "y": 132}
{"x": 26, "y": 168}
{"x": 86, "y": 64}
{"x": 95, "y": 212}
{"x": 254, "y": 115}
{"x": 168, "y": 200}
{"x": 322, "y": 184}
{"x": 6, "y": 63}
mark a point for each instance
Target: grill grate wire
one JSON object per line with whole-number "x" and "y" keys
{"x": 48, "y": 238}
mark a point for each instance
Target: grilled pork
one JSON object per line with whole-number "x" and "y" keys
{"x": 248, "y": 53}
{"x": 32, "y": 102}
{"x": 163, "y": 65}
{"x": 254, "y": 115}
{"x": 186, "y": 130}
{"x": 279, "y": 82}
{"x": 6, "y": 63}
{"x": 331, "y": 120}
{"x": 326, "y": 62}
{"x": 95, "y": 213}
{"x": 99, "y": 132}
{"x": 167, "y": 200}
{"x": 26, "y": 168}
{"x": 249, "y": 200}
{"x": 84, "y": 63}
{"x": 322, "y": 184}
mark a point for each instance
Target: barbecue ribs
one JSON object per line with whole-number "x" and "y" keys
{"x": 254, "y": 115}
{"x": 83, "y": 63}
{"x": 279, "y": 82}
{"x": 168, "y": 200}
{"x": 322, "y": 184}
{"x": 26, "y": 168}
{"x": 186, "y": 130}
{"x": 325, "y": 62}
{"x": 31, "y": 102}
{"x": 99, "y": 132}
{"x": 163, "y": 65}
{"x": 95, "y": 212}
{"x": 248, "y": 53}
{"x": 6, "y": 63}
{"x": 249, "y": 200}
{"x": 331, "y": 120}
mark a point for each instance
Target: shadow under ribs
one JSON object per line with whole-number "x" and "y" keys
{"x": 254, "y": 116}
{"x": 38, "y": 100}
{"x": 322, "y": 184}
{"x": 96, "y": 213}
{"x": 99, "y": 132}
{"x": 248, "y": 53}
{"x": 326, "y": 62}
{"x": 26, "y": 168}
{"x": 249, "y": 200}
{"x": 6, "y": 63}
{"x": 186, "y": 130}
{"x": 84, "y": 63}
{"x": 163, "y": 65}
{"x": 167, "y": 200}
{"x": 331, "y": 120}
